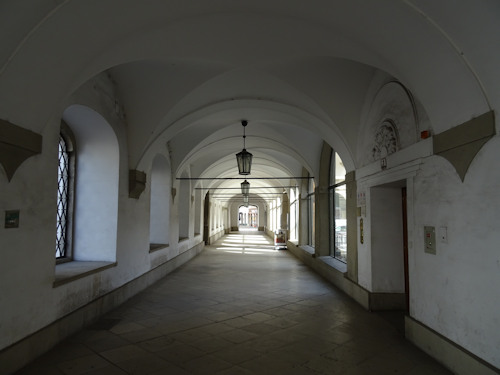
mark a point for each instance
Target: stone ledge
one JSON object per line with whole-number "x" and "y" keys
{"x": 334, "y": 263}
{"x": 308, "y": 249}
{"x": 456, "y": 358}
{"x": 71, "y": 271}
{"x": 157, "y": 246}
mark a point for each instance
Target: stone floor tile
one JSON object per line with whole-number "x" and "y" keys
{"x": 251, "y": 312}
{"x": 141, "y": 335}
{"x": 126, "y": 327}
{"x": 105, "y": 341}
{"x": 157, "y": 344}
{"x": 282, "y": 322}
{"x": 143, "y": 365}
{"x": 108, "y": 370}
{"x": 212, "y": 344}
{"x": 82, "y": 365}
{"x": 237, "y": 336}
{"x": 260, "y": 328}
{"x": 216, "y": 328}
{"x": 238, "y": 322}
{"x": 238, "y": 353}
{"x": 207, "y": 364}
{"x": 123, "y": 353}
{"x": 235, "y": 370}
{"x": 38, "y": 369}
{"x": 63, "y": 352}
{"x": 191, "y": 336}
{"x": 258, "y": 317}
{"x": 180, "y": 353}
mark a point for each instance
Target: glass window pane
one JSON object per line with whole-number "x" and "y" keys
{"x": 339, "y": 169}
{"x": 340, "y": 221}
{"x": 62, "y": 198}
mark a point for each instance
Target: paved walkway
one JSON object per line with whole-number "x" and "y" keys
{"x": 240, "y": 307}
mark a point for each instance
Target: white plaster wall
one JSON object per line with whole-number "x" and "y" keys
{"x": 455, "y": 292}
{"x": 28, "y": 299}
{"x": 27, "y": 253}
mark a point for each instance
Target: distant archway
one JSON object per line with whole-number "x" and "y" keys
{"x": 248, "y": 217}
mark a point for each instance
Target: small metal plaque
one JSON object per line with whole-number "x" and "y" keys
{"x": 12, "y": 219}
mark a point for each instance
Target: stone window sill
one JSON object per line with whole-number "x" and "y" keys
{"x": 308, "y": 249}
{"x": 157, "y": 246}
{"x": 71, "y": 271}
{"x": 334, "y": 263}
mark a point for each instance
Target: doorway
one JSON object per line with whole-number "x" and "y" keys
{"x": 389, "y": 246}
{"x": 248, "y": 218}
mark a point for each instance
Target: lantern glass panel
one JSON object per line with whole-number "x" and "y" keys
{"x": 245, "y": 187}
{"x": 244, "y": 159}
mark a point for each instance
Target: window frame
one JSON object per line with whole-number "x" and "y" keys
{"x": 335, "y": 184}
{"x": 311, "y": 214}
{"x": 68, "y": 137}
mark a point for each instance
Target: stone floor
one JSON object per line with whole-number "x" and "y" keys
{"x": 240, "y": 307}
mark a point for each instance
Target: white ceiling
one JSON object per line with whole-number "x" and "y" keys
{"x": 188, "y": 72}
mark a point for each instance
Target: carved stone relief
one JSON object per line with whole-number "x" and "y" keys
{"x": 390, "y": 123}
{"x": 386, "y": 141}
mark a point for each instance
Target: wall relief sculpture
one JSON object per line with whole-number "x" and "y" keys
{"x": 386, "y": 141}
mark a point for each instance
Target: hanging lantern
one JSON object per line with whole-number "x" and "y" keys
{"x": 245, "y": 187}
{"x": 244, "y": 158}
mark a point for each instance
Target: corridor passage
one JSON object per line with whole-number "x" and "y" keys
{"x": 240, "y": 307}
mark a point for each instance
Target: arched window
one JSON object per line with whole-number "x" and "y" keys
{"x": 65, "y": 197}
{"x": 311, "y": 214}
{"x": 161, "y": 186}
{"x": 184, "y": 208}
{"x": 294, "y": 209}
{"x": 338, "y": 209}
{"x": 96, "y": 185}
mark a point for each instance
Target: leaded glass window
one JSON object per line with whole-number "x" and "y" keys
{"x": 63, "y": 181}
{"x": 338, "y": 209}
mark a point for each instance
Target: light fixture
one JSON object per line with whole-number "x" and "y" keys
{"x": 245, "y": 187}
{"x": 244, "y": 158}
{"x": 245, "y": 199}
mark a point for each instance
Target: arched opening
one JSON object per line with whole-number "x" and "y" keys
{"x": 338, "y": 209}
{"x": 248, "y": 218}
{"x": 197, "y": 212}
{"x": 96, "y": 185}
{"x": 184, "y": 209}
{"x": 159, "y": 214}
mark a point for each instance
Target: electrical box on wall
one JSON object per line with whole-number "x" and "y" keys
{"x": 430, "y": 240}
{"x": 12, "y": 219}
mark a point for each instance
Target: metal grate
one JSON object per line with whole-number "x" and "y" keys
{"x": 62, "y": 198}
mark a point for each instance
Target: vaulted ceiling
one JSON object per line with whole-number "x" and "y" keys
{"x": 301, "y": 73}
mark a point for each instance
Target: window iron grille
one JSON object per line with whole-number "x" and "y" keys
{"x": 62, "y": 199}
